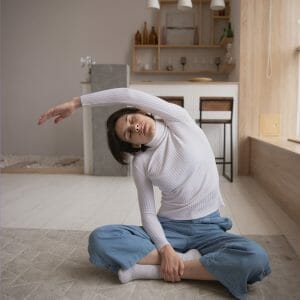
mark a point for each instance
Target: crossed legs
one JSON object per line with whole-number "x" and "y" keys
{"x": 193, "y": 269}
{"x": 234, "y": 261}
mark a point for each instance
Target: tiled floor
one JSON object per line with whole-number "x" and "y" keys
{"x": 85, "y": 202}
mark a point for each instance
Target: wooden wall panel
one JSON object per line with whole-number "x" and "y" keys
{"x": 258, "y": 94}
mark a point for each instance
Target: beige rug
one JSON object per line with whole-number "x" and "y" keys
{"x": 53, "y": 264}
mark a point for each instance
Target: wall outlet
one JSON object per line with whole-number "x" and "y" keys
{"x": 269, "y": 125}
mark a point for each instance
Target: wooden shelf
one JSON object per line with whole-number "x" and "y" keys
{"x": 194, "y": 1}
{"x": 223, "y": 70}
{"x": 218, "y": 18}
{"x": 175, "y": 46}
{"x": 145, "y": 46}
{"x": 189, "y": 46}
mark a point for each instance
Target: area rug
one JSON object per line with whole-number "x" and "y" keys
{"x": 53, "y": 264}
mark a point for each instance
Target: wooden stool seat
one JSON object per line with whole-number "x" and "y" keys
{"x": 178, "y": 100}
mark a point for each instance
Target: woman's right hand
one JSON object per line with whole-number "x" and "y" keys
{"x": 61, "y": 111}
{"x": 172, "y": 266}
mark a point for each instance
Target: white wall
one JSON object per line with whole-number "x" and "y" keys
{"x": 42, "y": 42}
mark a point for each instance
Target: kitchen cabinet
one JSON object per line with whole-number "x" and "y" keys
{"x": 195, "y": 35}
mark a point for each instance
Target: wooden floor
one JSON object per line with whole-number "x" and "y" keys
{"x": 83, "y": 202}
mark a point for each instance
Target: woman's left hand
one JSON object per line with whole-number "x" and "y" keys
{"x": 61, "y": 111}
{"x": 172, "y": 266}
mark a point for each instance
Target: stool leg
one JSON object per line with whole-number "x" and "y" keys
{"x": 224, "y": 149}
{"x": 231, "y": 154}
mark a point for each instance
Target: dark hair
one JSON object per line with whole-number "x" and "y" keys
{"x": 118, "y": 148}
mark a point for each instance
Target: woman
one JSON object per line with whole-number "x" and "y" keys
{"x": 173, "y": 154}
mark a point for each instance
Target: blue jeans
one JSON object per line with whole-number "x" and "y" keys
{"x": 233, "y": 260}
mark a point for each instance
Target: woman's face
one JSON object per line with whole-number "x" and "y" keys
{"x": 136, "y": 128}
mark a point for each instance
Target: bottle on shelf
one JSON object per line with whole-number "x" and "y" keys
{"x": 227, "y": 8}
{"x": 138, "y": 38}
{"x": 145, "y": 34}
{"x": 153, "y": 39}
{"x": 222, "y": 12}
{"x": 229, "y": 31}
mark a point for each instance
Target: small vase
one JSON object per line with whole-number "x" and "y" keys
{"x": 153, "y": 40}
{"x": 138, "y": 38}
{"x": 145, "y": 34}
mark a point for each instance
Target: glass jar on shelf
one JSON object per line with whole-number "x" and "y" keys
{"x": 228, "y": 55}
{"x": 170, "y": 65}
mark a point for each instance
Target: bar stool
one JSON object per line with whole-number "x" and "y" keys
{"x": 173, "y": 99}
{"x": 219, "y": 104}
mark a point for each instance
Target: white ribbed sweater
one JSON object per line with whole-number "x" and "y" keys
{"x": 179, "y": 162}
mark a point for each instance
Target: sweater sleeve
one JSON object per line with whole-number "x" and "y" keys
{"x": 144, "y": 101}
{"x": 149, "y": 218}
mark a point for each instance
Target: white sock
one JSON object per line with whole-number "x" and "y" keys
{"x": 152, "y": 271}
{"x": 192, "y": 254}
{"x": 139, "y": 272}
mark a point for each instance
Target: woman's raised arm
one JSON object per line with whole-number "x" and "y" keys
{"x": 138, "y": 99}
{"x": 61, "y": 111}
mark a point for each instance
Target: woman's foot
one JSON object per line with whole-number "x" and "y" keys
{"x": 144, "y": 271}
{"x": 139, "y": 272}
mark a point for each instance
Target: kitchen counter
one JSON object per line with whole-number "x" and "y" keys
{"x": 191, "y": 92}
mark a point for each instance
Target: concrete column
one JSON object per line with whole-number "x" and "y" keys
{"x": 104, "y": 77}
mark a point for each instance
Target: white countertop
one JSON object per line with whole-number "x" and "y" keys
{"x": 183, "y": 82}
